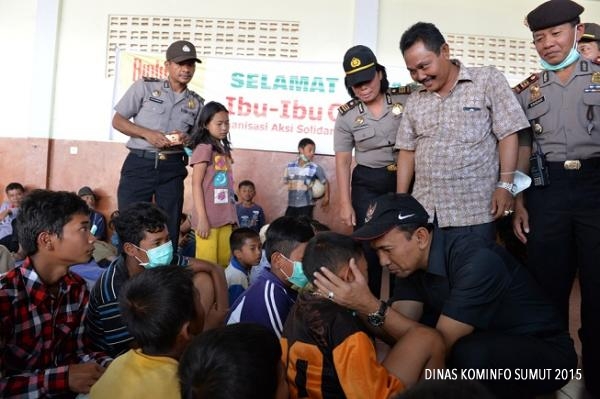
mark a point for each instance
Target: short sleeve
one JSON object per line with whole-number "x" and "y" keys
{"x": 320, "y": 174}
{"x": 132, "y": 100}
{"x": 343, "y": 139}
{"x": 405, "y": 289}
{"x": 202, "y": 153}
{"x": 406, "y": 137}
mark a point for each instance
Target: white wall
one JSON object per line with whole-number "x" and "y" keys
{"x": 17, "y": 20}
{"x": 81, "y": 102}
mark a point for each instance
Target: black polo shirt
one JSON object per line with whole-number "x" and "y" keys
{"x": 475, "y": 281}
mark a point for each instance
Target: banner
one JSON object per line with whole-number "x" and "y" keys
{"x": 272, "y": 104}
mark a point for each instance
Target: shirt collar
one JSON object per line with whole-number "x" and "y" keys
{"x": 437, "y": 254}
{"x": 237, "y": 265}
{"x": 36, "y": 289}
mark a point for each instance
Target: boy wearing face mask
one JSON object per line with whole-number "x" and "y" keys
{"x": 143, "y": 231}
{"x": 270, "y": 297}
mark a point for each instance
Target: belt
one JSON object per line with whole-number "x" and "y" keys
{"x": 575, "y": 164}
{"x": 156, "y": 155}
{"x": 390, "y": 168}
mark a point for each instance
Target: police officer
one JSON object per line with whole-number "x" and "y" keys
{"x": 163, "y": 112}
{"x": 366, "y": 124}
{"x": 559, "y": 216}
{"x": 589, "y": 44}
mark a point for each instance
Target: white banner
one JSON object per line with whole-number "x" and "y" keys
{"x": 272, "y": 104}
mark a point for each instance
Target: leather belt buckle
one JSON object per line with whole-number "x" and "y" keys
{"x": 162, "y": 156}
{"x": 391, "y": 167}
{"x": 572, "y": 164}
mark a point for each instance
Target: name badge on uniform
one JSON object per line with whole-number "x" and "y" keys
{"x": 397, "y": 109}
{"x": 156, "y": 100}
{"x": 359, "y": 120}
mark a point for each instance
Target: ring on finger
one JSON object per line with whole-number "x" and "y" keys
{"x": 330, "y": 295}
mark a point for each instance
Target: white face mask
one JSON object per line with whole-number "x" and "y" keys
{"x": 159, "y": 256}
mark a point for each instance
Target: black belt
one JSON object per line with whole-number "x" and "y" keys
{"x": 156, "y": 155}
{"x": 575, "y": 164}
{"x": 390, "y": 168}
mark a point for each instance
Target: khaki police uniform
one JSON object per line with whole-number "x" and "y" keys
{"x": 564, "y": 217}
{"x": 149, "y": 171}
{"x": 372, "y": 140}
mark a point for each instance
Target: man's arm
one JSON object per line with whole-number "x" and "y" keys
{"x": 125, "y": 126}
{"x": 521, "y": 216}
{"x": 452, "y": 330}
{"x": 502, "y": 199}
{"x": 406, "y": 170}
{"x": 357, "y": 296}
{"x": 411, "y": 309}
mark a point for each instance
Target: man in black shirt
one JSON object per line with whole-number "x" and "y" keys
{"x": 492, "y": 315}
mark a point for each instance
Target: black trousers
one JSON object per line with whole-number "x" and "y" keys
{"x": 564, "y": 238}
{"x": 519, "y": 357}
{"x": 146, "y": 179}
{"x": 368, "y": 184}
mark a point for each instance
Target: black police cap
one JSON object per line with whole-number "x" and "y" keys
{"x": 553, "y": 13}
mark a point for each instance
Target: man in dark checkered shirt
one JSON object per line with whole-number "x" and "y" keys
{"x": 43, "y": 351}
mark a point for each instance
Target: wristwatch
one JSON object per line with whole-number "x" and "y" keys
{"x": 510, "y": 187}
{"x": 377, "y": 318}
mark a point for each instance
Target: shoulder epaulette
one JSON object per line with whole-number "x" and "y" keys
{"x": 526, "y": 83}
{"x": 197, "y": 97}
{"x": 400, "y": 90}
{"x": 348, "y": 106}
{"x": 150, "y": 79}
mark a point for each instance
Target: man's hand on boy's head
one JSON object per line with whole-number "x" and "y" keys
{"x": 82, "y": 376}
{"x": 353, "y": 294}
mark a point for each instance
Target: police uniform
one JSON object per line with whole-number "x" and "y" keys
{"x": 373, "y": 142}
{"x": 564, "y": 216}
{"x": 148, "y": 172}
{"x": 372, "y": 139}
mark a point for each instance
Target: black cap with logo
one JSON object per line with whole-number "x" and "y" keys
{"x": 181, "y": 51}
{"x": 360, "y": 65}
{"x": 388, "y": 211}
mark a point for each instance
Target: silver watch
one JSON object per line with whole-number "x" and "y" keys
{"x": 510, "y": 187}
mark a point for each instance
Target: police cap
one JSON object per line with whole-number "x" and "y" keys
{"x": 181, "y": 51}
{"x": 360, "y": 65}
{"x": 553, "y": 13}
{"x": 591, "y": 33}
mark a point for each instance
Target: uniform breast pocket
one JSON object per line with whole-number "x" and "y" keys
{"x": 539, "y": 114}
{"x": 151, "y": 113}
{"x": 592, "y": 109}
{"x": 476, "y": 122}
{"x": 365, "y": 138}
{"x": 187, "y": 123}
